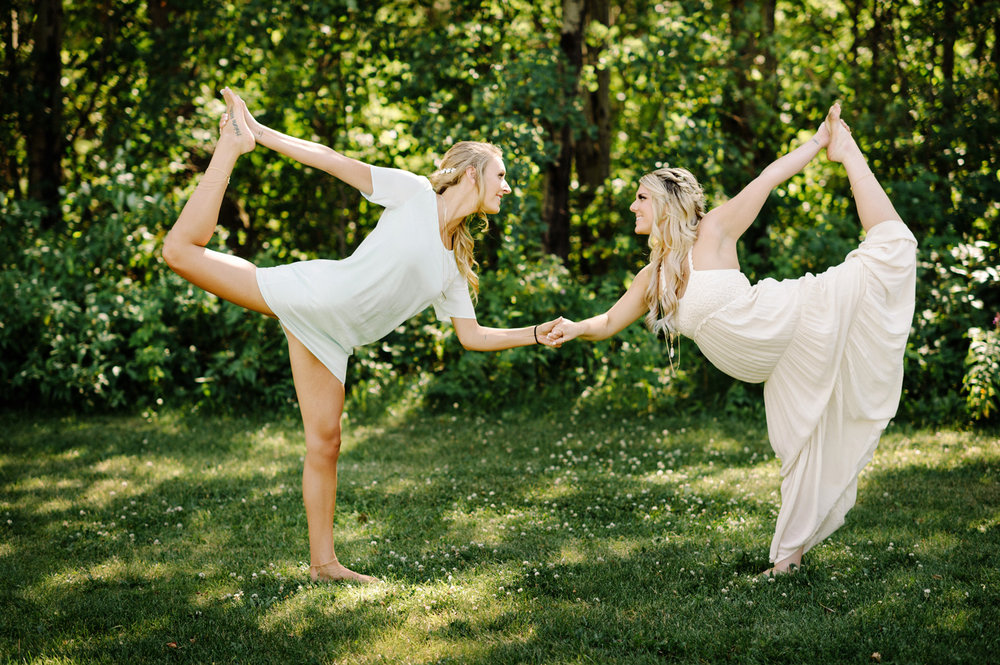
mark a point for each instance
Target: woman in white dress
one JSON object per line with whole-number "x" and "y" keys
{"x": 829, "y": 348}
{"x": 419, "y": 255}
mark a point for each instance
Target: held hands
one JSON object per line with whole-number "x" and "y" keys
{"x": 563, "y": 331}
{"x": 543, "y": 333}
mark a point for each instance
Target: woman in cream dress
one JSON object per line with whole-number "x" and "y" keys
{"x": 419, "y": 255}
{"x": 829, "y": 347}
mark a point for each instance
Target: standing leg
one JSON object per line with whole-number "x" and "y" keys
{"x": 227, "y": 276}
{"x": 873, "y": 204}
{"x": 321, "y": 402}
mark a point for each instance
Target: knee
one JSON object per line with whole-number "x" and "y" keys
{"x": 323, "y": 442}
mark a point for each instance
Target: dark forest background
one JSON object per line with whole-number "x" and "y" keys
{"x": 109, "y": 111}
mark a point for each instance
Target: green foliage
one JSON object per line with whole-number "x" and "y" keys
{"x": 982, "y": 377}
{"x": 97, "y": 320}
{"x": 720, "y": 88}
{"x": 957, "y": 296}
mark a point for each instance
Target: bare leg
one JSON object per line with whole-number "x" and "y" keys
{"x": 874, "y": 206}
{"x": 321, "y": 401}
{"x": 227, "y": 276}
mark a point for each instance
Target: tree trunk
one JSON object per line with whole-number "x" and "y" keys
{"x": 751, "y": 33}
{"x": 558, "y": 177}
{"x": 44, "y": 141}
{"x": 9, "y": 166}
{"x": 590, "y": 152}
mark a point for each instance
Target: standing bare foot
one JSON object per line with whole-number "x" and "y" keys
{"x": 332, "y": 571}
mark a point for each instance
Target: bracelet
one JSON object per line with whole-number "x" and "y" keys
{"x": 534, "y": 331}
{"x": 863, "y": 178}
{"x": 216, "y": 168}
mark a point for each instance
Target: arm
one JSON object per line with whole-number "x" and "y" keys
{"x": 731, "y": 219}
{"x": 355, "y": 173}
{"x": 475, "y": 337}
{"x": 628, "y": 308}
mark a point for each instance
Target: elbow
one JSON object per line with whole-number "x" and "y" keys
{"x": 470, "y": 345}
{"x": 172, "y": 252}
{"x": 466, "y": 342}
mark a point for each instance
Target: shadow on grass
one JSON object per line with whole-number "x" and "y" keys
{"x": 594, "y": 572}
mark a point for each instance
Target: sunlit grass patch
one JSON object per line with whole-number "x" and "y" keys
{"x": 537, "y": 538}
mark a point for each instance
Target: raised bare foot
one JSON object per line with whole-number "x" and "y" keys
{"x": 233, "y": 127}
{"x": 332, "y": 571}
{"x": 240, "y": 109}
{"x": 842, "y": 144}
{"x": 822, "y": 136}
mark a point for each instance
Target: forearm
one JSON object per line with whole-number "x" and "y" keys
{"x": 355, "y": 173}
{"x": 309, "y": 153}
{"x": 790, "y": 163}
{"x": 595, "y": 328}
{"x": 498, "y": 339}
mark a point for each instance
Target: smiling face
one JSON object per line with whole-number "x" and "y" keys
{"x": 643, "y": 209}
{"x": 494, "y": 186}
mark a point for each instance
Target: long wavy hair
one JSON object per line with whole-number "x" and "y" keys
{"x": 678, "y": 206}
{"x": 453, "y": 166}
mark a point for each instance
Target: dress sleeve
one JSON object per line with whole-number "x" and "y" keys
{"x": 455, "y": 301}
{"x": 393, "y": 187}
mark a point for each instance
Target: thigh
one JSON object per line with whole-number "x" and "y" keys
{"x": 227, "y": 276}
{"x": 320, "y": 393}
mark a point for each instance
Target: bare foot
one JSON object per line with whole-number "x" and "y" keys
{"x": 842, "y": 144}
{"x": 233, "y": 127}
{"x": 776, "y": 570}
{"x": 332, "y": 571}
{"x": 241, "y": 110}
{"x": 822, "y": 136}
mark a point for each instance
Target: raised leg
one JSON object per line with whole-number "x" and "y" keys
{"x": 873, "y": 204}
{"x": 321, "y": 402}
{"x": 184, "y": 248}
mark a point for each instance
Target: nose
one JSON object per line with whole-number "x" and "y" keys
{"x": 632, "y": 207}
{"x": 506, "y": 188}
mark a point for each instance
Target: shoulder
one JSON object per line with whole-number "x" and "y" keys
{"x": 392, "y": 187}
{"x": 641, "y": 280}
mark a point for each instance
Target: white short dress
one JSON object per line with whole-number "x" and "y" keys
{"x": 829, "y": 349}
{"x": 399, "y": 270}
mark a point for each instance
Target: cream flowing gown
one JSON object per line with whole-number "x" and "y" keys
{"x": 829, "y": 349}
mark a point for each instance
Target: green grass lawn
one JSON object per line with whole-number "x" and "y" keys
{"x": 587, "y": 537}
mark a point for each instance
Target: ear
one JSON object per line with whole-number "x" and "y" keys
{"x": 470, "y": 172}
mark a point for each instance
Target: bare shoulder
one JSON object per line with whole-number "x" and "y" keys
{"x": 641, "y": 280}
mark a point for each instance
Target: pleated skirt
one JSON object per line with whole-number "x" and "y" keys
{"x": 829, "y": 349}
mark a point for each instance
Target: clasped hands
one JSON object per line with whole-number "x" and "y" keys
{"x": 556, "y": 332}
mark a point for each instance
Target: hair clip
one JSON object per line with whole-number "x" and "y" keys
{"x": 447, "y": 171}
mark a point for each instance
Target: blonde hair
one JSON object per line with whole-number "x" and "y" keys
{"x": 678, "y": 206}
{"x": 453, "y": 165}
